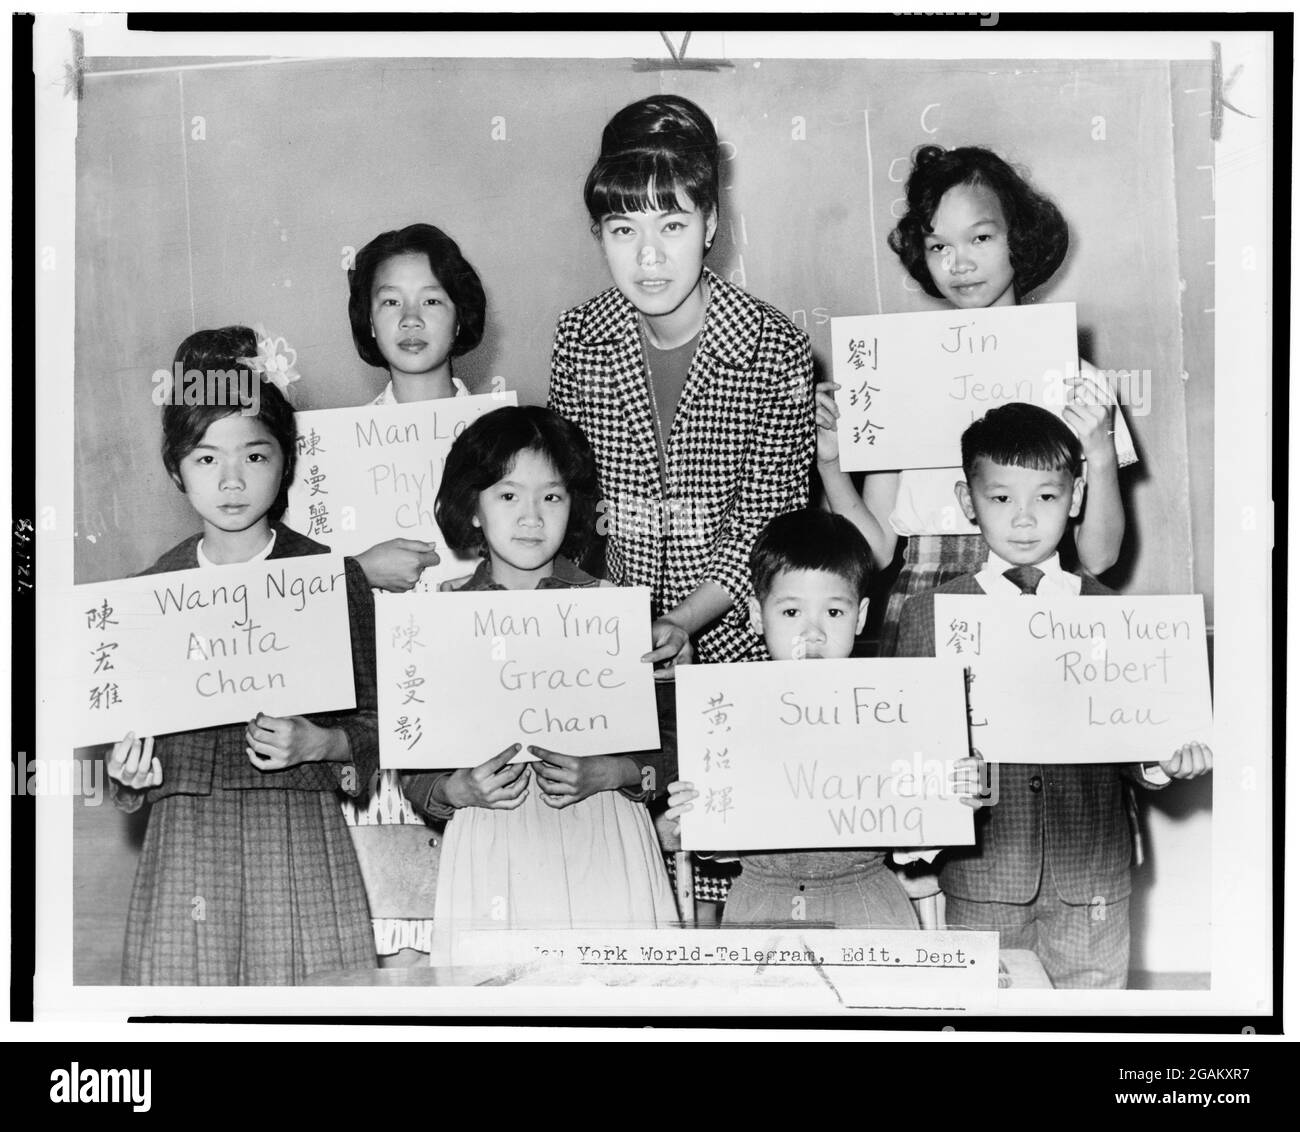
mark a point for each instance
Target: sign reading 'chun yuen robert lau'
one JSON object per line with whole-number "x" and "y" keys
{"x": 1083, "y": 679}
{"x": 369, "y": 474}
{"x": 819, "y": 754}
{"x": 464, "y": 675}
{"x": 910, "y": 384}
{"x": 200, "y": 648}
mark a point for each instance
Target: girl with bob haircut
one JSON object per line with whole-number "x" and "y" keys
{"x": 976, "y": 234}
{"x": 414, "y": 303}
{"x": 247, "y": 815}
{"x": 564, "y": 841}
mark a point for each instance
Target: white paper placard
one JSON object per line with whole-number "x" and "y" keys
{"x": 369, "y": 474}
{"x": 831, "y": 753}
{"x": 464, "y": 675}
{"x": 1080, "y": 680}
{"x": 205, "y": 647}
{"x": 910, "y": 384}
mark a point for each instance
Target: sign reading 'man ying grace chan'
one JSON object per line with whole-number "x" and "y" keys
{"x": 464, "y": 675}
{"x": 369, "y": 474}
{"x": 174, "y": 652}
{"x": 1080, "y": 680}
{"x": 910, "y": 384}
{"x": 831, "y": 753}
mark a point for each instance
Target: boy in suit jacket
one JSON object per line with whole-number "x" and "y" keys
{"x": 1050, "y": 866}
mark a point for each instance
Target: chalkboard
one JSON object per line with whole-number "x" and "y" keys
{"x": 211, "y": 196}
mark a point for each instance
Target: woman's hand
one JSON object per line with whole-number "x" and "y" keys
{"x": 566, "y": 779}
{"x": 672, "y": 646}
{"x": 1191, "y": 760}
{"x": 278, "y": 743}
{"x": 828, "y": 413}
{"x": 133, "y": 763}
{"x": 493, "y": 785}
{"x": 396, "y": 565}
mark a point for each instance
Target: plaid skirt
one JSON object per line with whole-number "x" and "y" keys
{"x": 928, "y": 562}
{"x": 246, "y": 887}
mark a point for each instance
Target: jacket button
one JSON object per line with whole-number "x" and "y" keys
{"x": 433, "y": 843}
{"x": 1036, "y": 784}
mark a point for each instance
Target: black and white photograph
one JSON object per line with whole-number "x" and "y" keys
{"x": 766, "y": 346}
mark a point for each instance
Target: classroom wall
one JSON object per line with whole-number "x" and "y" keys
{"x": 206, "y": 197}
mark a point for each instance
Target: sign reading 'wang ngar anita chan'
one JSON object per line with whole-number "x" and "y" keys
{"x": 199, "y": 648}
{"x": 366, "y": 475}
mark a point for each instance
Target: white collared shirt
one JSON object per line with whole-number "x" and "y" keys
{"x": 387, "y": 397}
{"x": 1055, "y": 582}
{"x": 204, "y": 560}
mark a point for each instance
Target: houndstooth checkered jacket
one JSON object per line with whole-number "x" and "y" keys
{"x": 739, "y": 452}
{"x": 1065, "y": 827}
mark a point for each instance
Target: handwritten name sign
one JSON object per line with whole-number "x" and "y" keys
{"x": 369, "y": 474}
{"x": 910, "y": 384}
{"x": 803, "y": 755}
{"x": 201, "y": 648}
{"x": 464, "y": 675}
{"x": 1080, "y": 680}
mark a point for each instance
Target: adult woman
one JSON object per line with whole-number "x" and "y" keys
{"x": 697, "y": 397}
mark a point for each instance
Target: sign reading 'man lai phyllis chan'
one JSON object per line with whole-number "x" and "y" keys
{"x": 464, "y": 675}
{"x": 910, "y": 384}
{"x": 831, "y": 753}
{"x": 1080, "y": 680}
{"x": 200, "y": 648}
{"x": 366, "y": 475}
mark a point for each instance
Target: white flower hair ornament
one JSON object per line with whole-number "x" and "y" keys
{"x": 276, "y": 360}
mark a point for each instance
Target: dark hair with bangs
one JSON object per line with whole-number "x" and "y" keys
{"x": 184, "y": 426}
{"x": 648, "y": 151}
{"x": 486, "y": 451}
{"x": 1019, "y": 435}
{"x": 810, "y": 540}
{"x": 452, "y": 270}
{"x": 1037, "y": 235}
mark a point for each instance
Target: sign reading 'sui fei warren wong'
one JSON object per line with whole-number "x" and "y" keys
{"x": 199, "y": 648}
{"x": 822, "y": 754}
{"x": 1083, "y": 679}
{"x": 910, "y": 384}
{"x": 464, "y": 675}
{"x": 366, "y": 475}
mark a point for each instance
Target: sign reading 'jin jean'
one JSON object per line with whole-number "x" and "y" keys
{"x": 910, "y": 384}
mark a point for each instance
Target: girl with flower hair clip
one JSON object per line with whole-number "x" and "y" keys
{"x": 247, "y": 874}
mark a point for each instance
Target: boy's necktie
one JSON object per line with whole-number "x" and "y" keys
{"x": 1026, "y": 578}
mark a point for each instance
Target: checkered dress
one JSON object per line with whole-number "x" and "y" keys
{"x": 246, "y": 876}
{"x": 739, "y": 453}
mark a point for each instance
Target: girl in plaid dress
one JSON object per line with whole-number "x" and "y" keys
{"x": 976, "y": 234}
{"x": 564, "y": 842}
{"x": 415, "y": 303}
{"x": 247, "y": 874}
